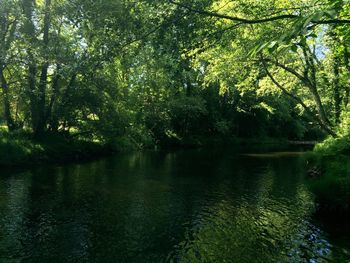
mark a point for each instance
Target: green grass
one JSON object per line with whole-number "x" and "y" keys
{"x": 19, "y": 149}
{"x": 331, "y": 182}
{"x": 332, "y": 186}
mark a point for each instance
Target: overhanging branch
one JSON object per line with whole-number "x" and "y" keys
{"x": 232, "y": 18}
{"x": 257, "y": 21}
{"x": 299, "y": 101}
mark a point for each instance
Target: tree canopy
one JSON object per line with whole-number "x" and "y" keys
{"x": 163, "y": 71}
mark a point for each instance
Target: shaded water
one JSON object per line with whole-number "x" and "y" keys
{"x": 186, "y": 206}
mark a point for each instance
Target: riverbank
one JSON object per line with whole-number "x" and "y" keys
{"x": 329, "y": 176}
{"x": 20, "y": 149}
{"x": 224, "y": 141}
{"x": 17, "y": 150}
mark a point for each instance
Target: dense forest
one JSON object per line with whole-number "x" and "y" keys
{"x": 160, "y": 72}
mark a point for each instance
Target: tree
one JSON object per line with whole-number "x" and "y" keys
{"x": 9, "y": 17}
{"x": 287, "y": 31}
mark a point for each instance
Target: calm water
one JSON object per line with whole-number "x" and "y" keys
{"x": 187, "y": 206}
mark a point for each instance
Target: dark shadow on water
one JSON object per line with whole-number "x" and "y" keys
{"x": 204, "y": 205}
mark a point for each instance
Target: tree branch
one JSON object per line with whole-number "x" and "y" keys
{"x": 299, "y": 101}
{"x": 288, "y": 69}
{"x": 257, "y": 21}
{"x": 232, "y": 18}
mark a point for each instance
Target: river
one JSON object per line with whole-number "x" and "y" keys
{"x": 210, "y": 205}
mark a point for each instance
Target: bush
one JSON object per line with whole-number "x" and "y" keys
{"x": 185, "y": 113}
{"x": 332, "y": 186}
{"x": 334, "y": 146}
{"x": 16, "y": 151}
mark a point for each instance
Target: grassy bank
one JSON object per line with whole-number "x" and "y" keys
{"x": 20, "y": 149}
{"x": 329, "y": 175}
{"x": 330, "y": 182}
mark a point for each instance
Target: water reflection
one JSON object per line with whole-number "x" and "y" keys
{"x": 191, "y": 206}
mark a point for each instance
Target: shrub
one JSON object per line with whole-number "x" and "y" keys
{"x": 332, "y": 186}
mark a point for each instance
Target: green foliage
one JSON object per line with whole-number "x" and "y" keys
{"x": 21, "y": 149}
{"x": 332, "y": 187}
{"x": 18, "y": 151}
{"x": 186, "y": 112}
{"x": 339, "y": 145}
{"x": 146, "y": 73}
{"x": 334, "y": 146}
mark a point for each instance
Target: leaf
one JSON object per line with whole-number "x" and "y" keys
{"x": 273, "y": 44}
{"x": 307, "y": 22}
{"x": 312, "y": 35}
{"x": 294, "y": 48}
{"x": 257, "y": 49}
{"x": 332, "y": 13}
{"x": 317, "y": 16}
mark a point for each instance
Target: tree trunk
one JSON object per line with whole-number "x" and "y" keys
{"x": 347, "y": 58}
{"x": 337, "y": 98}
{"x": 319, "y": 106}
{"x": 7, "y": 29}
{"x": 347, "y": 65}
{"x": 309, "y": 79}
{"x": 50, "y": 119}
{"x": 28, "y": 10}
{"x": 37, "y": 93}
{"x": 7, "y": 106}
{"x": 41, "y": 103}
{"x": 34, "y": 110}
